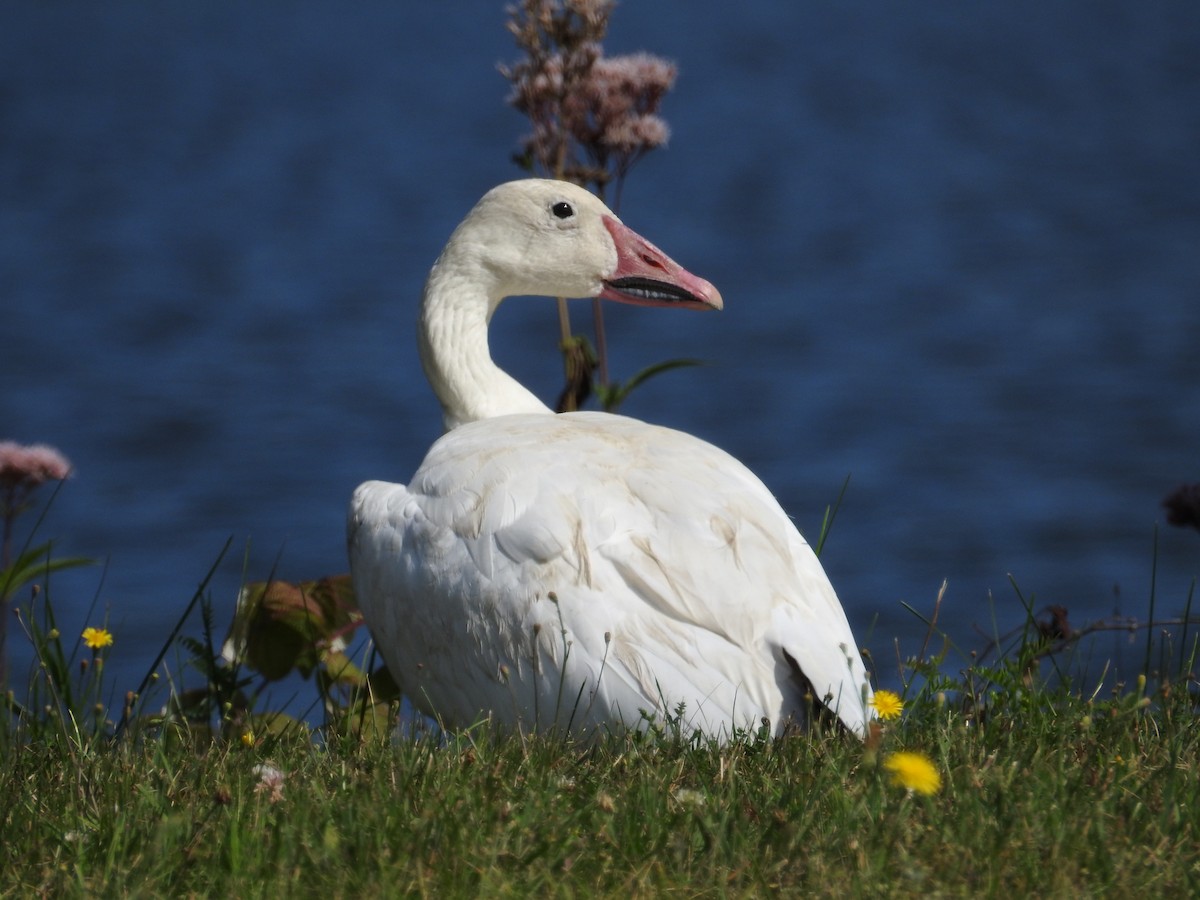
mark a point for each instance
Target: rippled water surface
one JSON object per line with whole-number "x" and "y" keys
{"x": 960, "y": 252}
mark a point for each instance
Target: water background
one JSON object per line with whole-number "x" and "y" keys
{"x": 959, "y": 248}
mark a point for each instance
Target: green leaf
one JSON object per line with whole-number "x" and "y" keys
{"x": 830, "y": 514}
{"x": 32, "y": 564}
{"x": 340, "y": 670}
{"x": 611, "y": 396}
{"x": 280, "y": 626}
{"x": 371, "y": 714}
{"x": 275, "y": 724}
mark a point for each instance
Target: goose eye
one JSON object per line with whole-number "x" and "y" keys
{"x": 562, "y": 210}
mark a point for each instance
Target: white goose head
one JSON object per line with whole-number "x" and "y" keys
{"x": 533, "y": 237}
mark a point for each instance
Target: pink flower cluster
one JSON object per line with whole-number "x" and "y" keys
{"x": 575, "y": 97}
{"x": 22, "y": 469}
{"x": 30, "y": 466}
{"x": 614, "y": 107}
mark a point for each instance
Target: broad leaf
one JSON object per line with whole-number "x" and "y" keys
{"x": 281, "y": 626}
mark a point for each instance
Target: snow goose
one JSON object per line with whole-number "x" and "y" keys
{"x": 585, "y": 571}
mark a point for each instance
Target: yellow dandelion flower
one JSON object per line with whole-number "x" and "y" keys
{"x": 248, "y": 738}
{"x": 97, "y": 638}
{"x": 913, "y": 772}
{"x": 887, "y": 705}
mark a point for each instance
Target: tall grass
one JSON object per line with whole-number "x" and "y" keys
{"x": 1060, "y": 796}
{"x": 1053, "y": 781}
{"x": 1051, "y": 786}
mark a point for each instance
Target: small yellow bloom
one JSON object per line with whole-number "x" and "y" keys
{"x": 887, "y": 705}
{"x": 248, "y": 738}
{"x": 914, "y": 772}
{"x": 96, "y": 638}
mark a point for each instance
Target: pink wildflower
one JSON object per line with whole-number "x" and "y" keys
{"x": 617, "y": 94}
{"x": 576, "y": 99}
{"x": 270, "y": 782}
{"x": 22, "y": 470}
{"x": 31, "y": 465}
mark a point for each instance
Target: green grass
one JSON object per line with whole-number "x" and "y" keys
{"x": 1051, "y": 786}
{"x": 1049, "y": 795}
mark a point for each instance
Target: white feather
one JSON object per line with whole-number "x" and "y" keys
{"x": 583, "y": 570}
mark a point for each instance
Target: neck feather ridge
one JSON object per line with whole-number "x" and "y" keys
{"x": 452, "y": 337}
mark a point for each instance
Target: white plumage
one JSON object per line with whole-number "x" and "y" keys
{"x": 584, "y": 570}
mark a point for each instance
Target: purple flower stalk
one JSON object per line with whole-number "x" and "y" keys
{"x": 579, "y": 101}
{"x": 613, "y": 113}
{"x": 23, "y": 469}
{"x": 593, "y": 117}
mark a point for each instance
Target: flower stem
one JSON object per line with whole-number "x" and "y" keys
{"x": 9, "y": 510}
{"x": 564, "y": 321}
{"x": 598, "y": 306}
{"x": 564, "y": 316}
{"x": 601, "y": 341}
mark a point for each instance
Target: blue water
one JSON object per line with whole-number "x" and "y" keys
{"x": 959, "y": 248}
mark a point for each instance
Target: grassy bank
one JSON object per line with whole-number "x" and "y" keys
{"x": 1047, "y": 794}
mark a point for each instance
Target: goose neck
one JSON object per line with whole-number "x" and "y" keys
{"x": 456, "y": 308}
